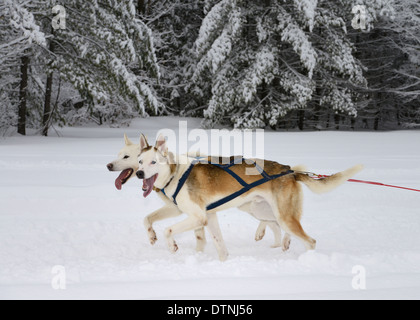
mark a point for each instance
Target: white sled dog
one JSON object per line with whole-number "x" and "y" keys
{"x": 202, "y": 188}
{"x": 128, "y": 164}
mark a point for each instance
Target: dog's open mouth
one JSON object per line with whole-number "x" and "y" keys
{"x": 148, "y": 185}
{"x": 123, "y": 177}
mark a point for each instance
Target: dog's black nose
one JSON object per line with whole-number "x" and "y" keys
{"x": 140, "y": 174}
{"x": 110, "y": 166}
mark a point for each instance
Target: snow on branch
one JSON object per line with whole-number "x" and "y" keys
{"x": 23, "y": 20}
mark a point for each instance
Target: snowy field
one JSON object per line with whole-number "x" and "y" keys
{"x": 59, "y": 207}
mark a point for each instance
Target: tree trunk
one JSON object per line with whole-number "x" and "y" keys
{"x": 353, "y": 123}
{"x": 46, "y": 120}
{"x": 47, "y": 106}
{"x": 141, "y": 7}
{"x": 376, "y": 123}
{"x": 337, "y": 121}
{"x": 378, "y": 111}
{"x": 23, "y": 95}
{"x": 301, "y": 119}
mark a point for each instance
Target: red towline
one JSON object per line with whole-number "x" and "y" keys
{"x": 320, "y": 176}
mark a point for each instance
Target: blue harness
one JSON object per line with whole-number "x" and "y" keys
{"x": 265, "y": 177}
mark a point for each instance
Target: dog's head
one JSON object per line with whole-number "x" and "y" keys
{"x": 153, "y": 164}
{"x": 126, "y": 162}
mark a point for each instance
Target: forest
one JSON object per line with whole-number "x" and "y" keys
{"x": 278, "y": 64}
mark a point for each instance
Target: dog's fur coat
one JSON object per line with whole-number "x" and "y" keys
{"x": 128, "y": 164}
{"x": 207, "y": 184}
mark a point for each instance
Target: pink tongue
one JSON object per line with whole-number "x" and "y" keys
{"x": 148, "y": 185}
{"x": 121, "y": 177}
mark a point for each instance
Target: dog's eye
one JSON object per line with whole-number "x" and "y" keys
{"x": 153, "y": 162}
{"x": 141, "y": 161}
{"x": 126, "y": 157}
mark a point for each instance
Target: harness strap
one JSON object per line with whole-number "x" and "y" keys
{"x": 226, "y": 167}
{"x": 246, "y": 189}
{"x": 183, "y": 179}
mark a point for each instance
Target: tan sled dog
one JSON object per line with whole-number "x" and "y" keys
{"x": 205, "y": 185}
{"x": 128, "y": 164}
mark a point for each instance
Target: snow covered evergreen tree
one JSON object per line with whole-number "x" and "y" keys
{"x": 19, "y": 34}
{"x": 266, "y": 58}
{"x": 175, "y": 26}
{"x": 277, "y": 63}
{"x": 390, "y": 50}
{"x": 108, "y": 55}
{"x": 105, "y": 52}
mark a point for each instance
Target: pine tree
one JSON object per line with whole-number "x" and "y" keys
{"x": 20, "y": 34}
{"x": 108, "y": 55}
{"x": 267, "y": 58}
{"x": 277, "y": 63}
{"x": 389, "y": 49}
{"x": 175, "y": 27}
{"x": 104, "y": 52}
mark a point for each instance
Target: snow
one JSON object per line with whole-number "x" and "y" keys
{"x": 23, "y": 20}
{"x": 59, "y": 207}
{"x": 301, "y": 45}
{"x": 308, "y": 7}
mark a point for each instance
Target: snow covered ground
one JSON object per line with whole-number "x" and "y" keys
{"x": 59, "y": 207}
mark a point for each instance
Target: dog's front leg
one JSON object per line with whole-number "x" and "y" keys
{"x": 168, "y": 211}
{"x": 193, "y": 222}
{"x": 216, "y": 233}
{"x": 200, "y": 236}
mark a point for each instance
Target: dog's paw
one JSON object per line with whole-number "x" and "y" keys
{"x": 173, "y": 247}
{"x": 260, "y": 235}
{"x": 286, "y": 244}
{"x": 152, "y": 236}
{"x": 153, "y": 240}
{"x": 223, "y": 256}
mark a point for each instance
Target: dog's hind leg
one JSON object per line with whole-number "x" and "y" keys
{"x": 278, "y": 242}
{"x": 274, "y": 226}
{"x": 249, "y": 208}
{"x": 285, "y": 244}
{"x": 260, "y": 233}
{"x": 288, "y": 210}
{"x": 168, "y": 211}
{"x": 293, "y": 226}
{"x": 216, "y": 234}
{"x": 261, "y": 208}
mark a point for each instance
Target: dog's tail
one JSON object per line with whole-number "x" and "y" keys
{"x": 327, "y": 184}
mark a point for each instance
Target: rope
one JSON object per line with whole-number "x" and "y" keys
{"x": 320, "y": 176}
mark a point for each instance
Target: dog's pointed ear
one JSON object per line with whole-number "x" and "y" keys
{"x": 161, "y": 144}
{"x": 127, "y": 141}
{"x": 143, "y": 142}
